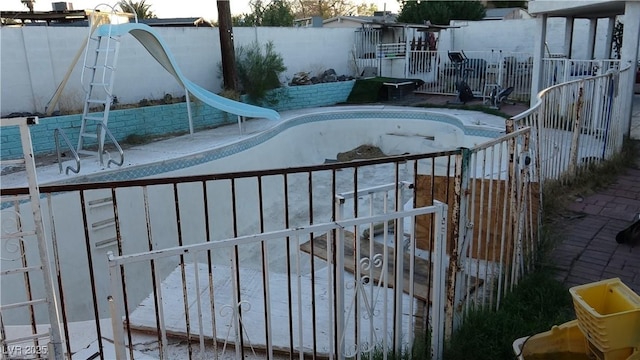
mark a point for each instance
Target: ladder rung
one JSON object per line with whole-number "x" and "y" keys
{"x": 7, "y": 198}
{"x": 18, "y": 235}
{"x": 27, "y": 338}
{"x": 21, "y": 304}
{"x": 103, "y": 224}
{"x": 13, "y": 161}
{"x": 112, "y": 37}
{"x": 94, "y": 118}
{"x": 105, "y": 243}
{"x": 94, "y": 67}
{"x": 21, "y": 270}
{"x": 89, "y": 135}
{"x": 99, "y": 84}
{"x": 95, "y": 101}
{"x": 100, "y": 202}
{"x": 105, "y": 50}
{"x": 87, "y": 152}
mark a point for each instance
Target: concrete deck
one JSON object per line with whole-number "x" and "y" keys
{"x": 589, "y": 251}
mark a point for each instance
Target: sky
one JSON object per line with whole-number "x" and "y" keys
{"x": 169, "y": 8}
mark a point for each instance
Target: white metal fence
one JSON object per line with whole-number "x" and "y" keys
{"x": 270, "y": 261}
{"x": 560, "y": 70}
{"x": 577, "y": 124}
{"x": 328, "y": 312}
{"x": 251, "y": 231}
{"x": 483, "y": 71}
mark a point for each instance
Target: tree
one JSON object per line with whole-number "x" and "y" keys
{"x": 440, "y": 12}
{"x": 507, "y": 4}
{"x": 278, "y": 13}
{"x": 28, "y": 4}
{"x": 141, "y": 9}
{"x": 275, "y": 13}
{"x": 331, "y": 8}
{"x": 618, "y": 31}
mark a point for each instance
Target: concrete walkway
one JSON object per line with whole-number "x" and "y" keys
{"x": 589, "y": 251}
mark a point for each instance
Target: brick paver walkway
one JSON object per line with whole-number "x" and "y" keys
{"x": 589, "y": 251}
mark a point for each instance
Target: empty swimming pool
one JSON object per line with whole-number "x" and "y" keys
{"x": 154, "y": 213}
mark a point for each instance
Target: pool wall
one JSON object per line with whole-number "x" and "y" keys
{"x": 166, "y": 119}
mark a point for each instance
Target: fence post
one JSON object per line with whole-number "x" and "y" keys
{"x": 399, "y": 274}
{"x": 115, "y": 275}
{"x": 439, "y": 280}
{"x": 460, "y": 238}
{"x": 575, "y": 139}
{"x": 339, "y": 284}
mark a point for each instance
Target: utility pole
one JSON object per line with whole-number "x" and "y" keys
{"x": 229, "y": 76}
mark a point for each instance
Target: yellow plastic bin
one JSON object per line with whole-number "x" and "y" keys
{"x": 566, "y": 341}
{"x": 562, "y": 340}
{"x": 608, "y": 314}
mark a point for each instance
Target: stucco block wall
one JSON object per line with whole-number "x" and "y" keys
{"x": 145, "y": 121}
{"x": 41, "y": 55}
{"x": 164, "y": 119}
{"x": 298, "y": 97}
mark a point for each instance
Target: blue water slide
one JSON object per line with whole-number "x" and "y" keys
{"x": 152, "y": 41}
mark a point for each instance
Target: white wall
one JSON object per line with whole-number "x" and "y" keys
{"x": 518, "y": 36}
{"x": 35, "y": 60}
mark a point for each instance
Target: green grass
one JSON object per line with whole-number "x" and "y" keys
{"x": 420, "y": 351}
{"x": 366, "y": 91}
{"x": 535, "y": 305}
{"x": 539, "y": 301}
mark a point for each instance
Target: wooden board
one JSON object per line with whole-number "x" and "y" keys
{"x": 421, "y": 275}
{"x": 488, "y": 220}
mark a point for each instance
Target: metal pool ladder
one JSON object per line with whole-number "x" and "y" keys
{"x": 39, "y": 343}
{"x": 99, "y": 90}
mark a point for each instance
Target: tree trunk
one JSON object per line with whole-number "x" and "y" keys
{"x": 229, "y": 75}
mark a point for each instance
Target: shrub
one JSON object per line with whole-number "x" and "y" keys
{"x": 259, "y": 71}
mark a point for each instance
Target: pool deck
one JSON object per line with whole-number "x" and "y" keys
{"x": 588, "y": 251}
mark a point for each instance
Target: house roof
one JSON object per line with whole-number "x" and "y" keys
{"x": 373, "y": 20}
{"x": 389, "y": 21}
{"x": 501, "y": 13}
{"x": 578, "y": 8}
{"x": 191, "y": 21}
{"x": 80, "y": 18}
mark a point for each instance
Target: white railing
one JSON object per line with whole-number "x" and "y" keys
{"x": 329, "y": 311}
{"x": 230, "y": 224}
{"x": 556, "y": 71}
{"x": 485, "y": 70}
{"x": 577, "y": 124}
{"x": 392, "y": 50}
